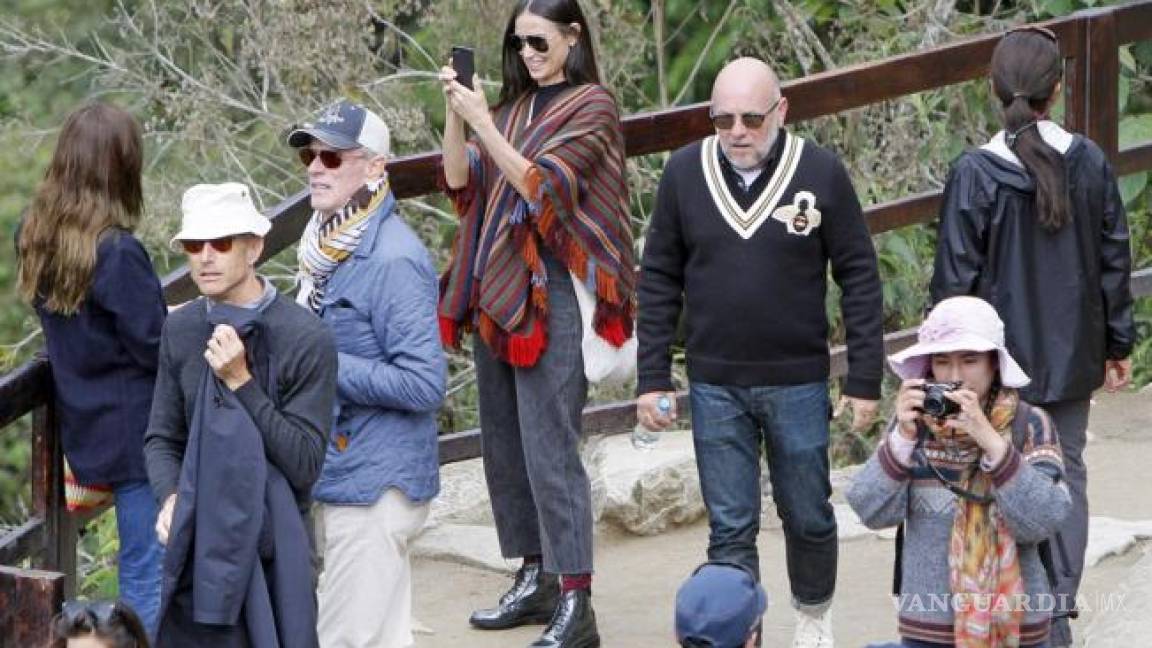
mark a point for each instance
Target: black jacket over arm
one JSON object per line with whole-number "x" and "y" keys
{"x": 294, "y": 422}
{"x": 1064, "y": 295}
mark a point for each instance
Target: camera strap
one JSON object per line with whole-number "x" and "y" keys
{"x": 921, "y": 456}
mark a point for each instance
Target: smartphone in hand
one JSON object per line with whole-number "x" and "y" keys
{"x": 464, "y": 62}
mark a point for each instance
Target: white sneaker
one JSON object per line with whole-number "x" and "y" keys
{"x": 813, "y": 631}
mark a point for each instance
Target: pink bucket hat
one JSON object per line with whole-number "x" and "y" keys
{"x": 959, "y": 324}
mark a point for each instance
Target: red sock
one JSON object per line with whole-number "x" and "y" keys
{"x": 570, "y": 582}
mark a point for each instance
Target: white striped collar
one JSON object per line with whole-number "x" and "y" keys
{"x": 746, "y": 222}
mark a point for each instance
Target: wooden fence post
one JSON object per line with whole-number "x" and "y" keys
{"x": 1102, "y": 87}
{"x": 1076, "y": 81}
{"x": 58, "y": 552}
{"x": 28, "y": 601}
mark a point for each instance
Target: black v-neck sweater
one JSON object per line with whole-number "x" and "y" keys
{"x": 756, "y": 301}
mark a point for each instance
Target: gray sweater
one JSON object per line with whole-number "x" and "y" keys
{"x": 1030, "y": 494}
{"x": 294, "y": 425}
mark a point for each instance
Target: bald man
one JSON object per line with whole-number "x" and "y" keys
{"x": 746, "y": 224}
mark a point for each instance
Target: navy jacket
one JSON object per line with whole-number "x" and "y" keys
{"x": 235, "y": 572}
{"x": 380, "y": 306}
{"x": 104, "y": 362}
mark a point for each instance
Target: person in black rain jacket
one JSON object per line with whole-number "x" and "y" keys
{"x": 1033, "y": 223}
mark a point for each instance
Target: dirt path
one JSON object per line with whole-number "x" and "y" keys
{"x": 637, "y": 577}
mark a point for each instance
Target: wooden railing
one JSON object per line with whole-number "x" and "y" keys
{"x": 1090, "y": 42}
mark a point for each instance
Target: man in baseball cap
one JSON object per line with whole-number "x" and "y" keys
{"x": 344, "y": 148}
{"x": 720, "y": 607}
{"x": 371, "y": 280}
{"x": 240, "y": 413}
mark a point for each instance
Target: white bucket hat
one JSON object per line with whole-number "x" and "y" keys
{"x": 959, "y": 324}
{"x": 212, "y": 211}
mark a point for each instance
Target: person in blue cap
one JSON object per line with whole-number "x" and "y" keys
{"x": 720, "y": 606}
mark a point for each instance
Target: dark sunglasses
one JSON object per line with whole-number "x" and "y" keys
{"x": 1043, "y": 31}
{"x": 330, "y": 159}
{"x": 94, "y": 613}
{"x": 222, "y": 245}
{"x": 538, "y": 43}
{"x": 751, "y": 121}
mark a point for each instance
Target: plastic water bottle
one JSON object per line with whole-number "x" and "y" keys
{"x": 642, "y": 437}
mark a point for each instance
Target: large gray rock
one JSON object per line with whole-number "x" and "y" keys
{"x": 644, "y": 491}
{"x": 463, "y": 497}
{"x": 466, "y": 544}
{"x": 1127, "y": 618}
{"x": 1111, "y": 537}
{"x": 849, "y": 526}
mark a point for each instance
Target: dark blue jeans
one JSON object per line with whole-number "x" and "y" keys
{"x": 140, "y": 552}
{"x": 790, "y": 422}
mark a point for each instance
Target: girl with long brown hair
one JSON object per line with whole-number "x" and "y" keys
{"x": 1033, "y": 223}
{"x": 101, "y": 309}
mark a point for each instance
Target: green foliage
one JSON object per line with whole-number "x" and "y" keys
{"x": 216, "y": 82}
{"x": 98, "y": 547}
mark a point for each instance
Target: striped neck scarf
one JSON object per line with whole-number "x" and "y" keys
{"x": 983, "y": 563}
{"x": 328, "y": 240}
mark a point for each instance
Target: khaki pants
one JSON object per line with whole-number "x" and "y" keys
{"x": 366, "y": 586}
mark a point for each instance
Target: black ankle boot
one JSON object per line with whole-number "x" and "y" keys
{"x": 573, "y": 625}
{"x": 531, "y": 599}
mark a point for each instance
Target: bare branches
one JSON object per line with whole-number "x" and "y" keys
{"x": 937, "y": 23}
{"x": 10, "y": 352}
{"x": 809, "y": 49}
{"x": 17, "y": 43}
{"x": 661, "y": 53}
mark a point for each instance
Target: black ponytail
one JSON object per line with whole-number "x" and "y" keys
{"x": 1026, "y": 69}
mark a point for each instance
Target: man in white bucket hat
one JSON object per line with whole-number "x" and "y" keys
{"x": 977, "y": 486}
{"x": 243, "y": 403}
{"x": 215, "y": 217}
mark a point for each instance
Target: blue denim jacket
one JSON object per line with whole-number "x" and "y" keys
{"x": 380, "y": 305}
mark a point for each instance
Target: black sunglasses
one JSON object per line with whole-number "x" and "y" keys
{"x": 330, "y": 159}
{"x": 78, "y": 618}
{"x": 222, "y": 245}
{"x": 751, "y": 121}
{"x": 517, "y": 43}
{"x": 94, "y": 613}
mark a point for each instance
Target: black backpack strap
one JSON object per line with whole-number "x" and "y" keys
{"x": 1020, "y": 425}
{"x": 898, "y": 566}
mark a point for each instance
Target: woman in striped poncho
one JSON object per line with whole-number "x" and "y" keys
{"x": 543, "y": 203}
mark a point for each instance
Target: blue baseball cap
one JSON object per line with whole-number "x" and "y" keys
{"x": 721, "y": 604}
{"x": 344, "y": 125}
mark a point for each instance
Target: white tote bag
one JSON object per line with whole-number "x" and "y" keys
{"x": 603, "y": 363}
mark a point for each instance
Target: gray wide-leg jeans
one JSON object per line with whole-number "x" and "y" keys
{"x": 530, "y": 435}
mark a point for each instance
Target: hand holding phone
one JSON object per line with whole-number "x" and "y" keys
{"x": 464, "y": 63}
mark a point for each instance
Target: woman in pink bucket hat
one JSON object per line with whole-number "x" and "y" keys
{"x": 975, "y": 476}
